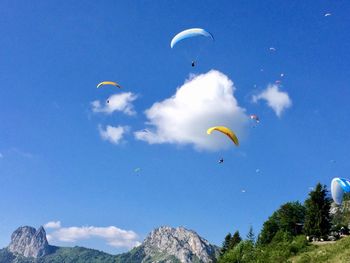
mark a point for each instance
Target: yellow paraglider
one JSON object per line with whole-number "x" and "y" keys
{"x": 225, "y": 131}
{"x": 108, "y": 83}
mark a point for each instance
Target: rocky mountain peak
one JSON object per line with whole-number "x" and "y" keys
{"x": 29, "y": 242}
{"x": 186, "y": 245}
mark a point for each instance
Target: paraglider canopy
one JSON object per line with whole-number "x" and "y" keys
{"x": 339, "y": 186}
{"x": 225, "y": 131}
{"x": 108, "y": 83}
{"x": 192, "y": 32}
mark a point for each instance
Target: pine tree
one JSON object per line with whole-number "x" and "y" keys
{"x": 236, "y": 238}
{"x": 250, "y": 235}
{"x": 317, "y": 218}
{"x": 226, "y": 244}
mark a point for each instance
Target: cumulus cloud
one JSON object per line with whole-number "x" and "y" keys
{"x": 113, "y": 134}
{"x": 201, "y": 102}
{"x": 52, "y": 224}
{"x": 113, "y": 236}
{"x": 276, "y": 99}
{"x": 117, "y": 102}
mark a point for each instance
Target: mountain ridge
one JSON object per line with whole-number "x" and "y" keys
{"x": 163, "y": 245}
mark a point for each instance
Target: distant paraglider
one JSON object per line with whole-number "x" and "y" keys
{"x": 339, "y": 186}
{"x": 192, "y": 32}
{"x": 108, "y": 83}
{"x": 193, "y": 64}
{"x": 255, "y": 118}
{"x": 225, "y": 131}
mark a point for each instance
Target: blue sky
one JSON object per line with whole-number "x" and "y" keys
{"x": 55, "y": 166}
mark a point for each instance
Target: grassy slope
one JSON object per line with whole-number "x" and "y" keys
{"x": 338, "y": 252}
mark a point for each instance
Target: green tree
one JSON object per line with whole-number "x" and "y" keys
{"x": 288, "y": 218}
{"x": 250, "y": 235}
{"x": 226, "y": 244}
{"x": 236, "y": 239}
{"x": 317, "y": 218}
{"x": 244, "y": 252}
{"x": 291, "y": 218}
{"x": 269, "y": 229}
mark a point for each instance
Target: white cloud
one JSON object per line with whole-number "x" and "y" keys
{"x": 276, "y": 99}
{"x": 113, "y": 236}
{"x": 201, "y": 102}
{"x": 52, "y": 224}
{"x": 113, "y": 134}
{"x": 117, "y": 102}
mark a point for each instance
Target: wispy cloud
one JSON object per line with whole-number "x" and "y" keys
{"x": 113, "y": 134}
{"x": 276, "y": 99}
{"x": 113, "y": 235}
{"x": 21, "y": 153}
{"x": 118, "y": 102}
{"x": 201, "y": 102}
{"x": 52, "y": 224}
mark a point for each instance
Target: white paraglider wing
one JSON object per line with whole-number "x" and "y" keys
{"x": 192, "y": 32}
{"x": 339, "y": 186}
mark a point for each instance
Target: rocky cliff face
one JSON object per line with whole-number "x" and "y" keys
{"x": 185, "y": 245}
{"x": 29, "y": 242}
